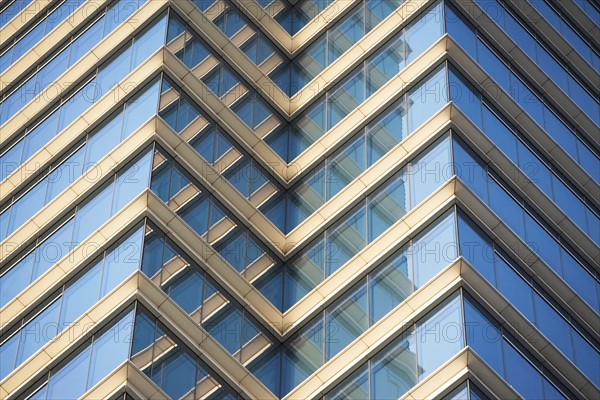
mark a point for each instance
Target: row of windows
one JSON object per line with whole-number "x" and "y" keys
{"x": 521, "y": 291}
{"x": 23, "y": 43}
{"x": 294, "y": 75}
{"x": 359, "y": 153}
{"x": 433, "y": 340}
{"x": 382, "y": 290}
{"x": 391, "y": 282}
{"x": 11, "y": 11}
{"x": 513, "y": 211}
{"x": 138, "y": 336}
{"x": 107, "y": 76}
{"x": 470, "y": 101}
{"x": 73, "y": 299}
{"x": 589, "y": 8}
{"x": 569, "y": 33}
{"x": 376, "y": 71}
{"x": 81, "y": 162}
{"x": 346, "y": 238}
{"x": 66, "y": 57}
{"x": 359, "y": 308}
{"x": 514, "y": 86}
{"x": 87, "y": 216}
{"x": 531, "y": 45}
{"x": 418, "y": 270}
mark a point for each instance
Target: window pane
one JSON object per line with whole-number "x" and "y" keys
{"x": 354, "y": 387}
{"x": 429, "y": 171}
{"x": 346, "y": 241}
{"x": 81, "y": 295}
{"x": 521, "y": 375}
{"x": 483, "y": 337}
{"x": 440, "y": 337}
{"x": 346, "y": 320}
{"x": 434, "y": 250}
{"x": 70, "y": 381}
{"x": 394, "y": 371}
{"x": 390, "y": 285}
{"x": 110, "y": 350}
{"x": 39, "y": 331}
{"x": 388, "y": 206}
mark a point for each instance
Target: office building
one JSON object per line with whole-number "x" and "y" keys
{"x": 299, "y": 199}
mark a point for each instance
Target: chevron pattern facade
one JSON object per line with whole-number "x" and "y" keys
{"x": 299, "y": 199}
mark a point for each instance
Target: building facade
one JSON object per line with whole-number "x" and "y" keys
{"x": 309, "y": 199}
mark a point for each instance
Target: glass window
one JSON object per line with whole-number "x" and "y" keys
{"x": 346, "y": 320}
{"x": 553, "y": 326}
{"x": 390, "y": 285}
{"x": 343, "y": 100}
{"x": 483, "y": 337}
{"x": 354, "y": 387}
{"x": 424, "y": 32}
{"x": 8, "y": 354}
{"x": 429, "y": 171}
{"x": 470, "y": 169}
{"x": 476, "y": 248}
{"x": 110, "y": 350}
{"x": 37, "y": 332}
{"x": 499, "y": 134}
{"x": 388, "y": 206}
{"x": 507, "y": 208}
{"x": 434, "y": 250}
{"x": 186, "y": 291}
{"x": 94, "y": 213}
{"x": 345, "y": 167}
{"x": 70, "y": 381}
{"x": 543, "y": 243}
{"x": 81, "y": 295}
{"x": 460, "y": 30}
{"x": 342, "y": 37}
{"x": 394, "y": 371}
{"x": 122, "y": 262}
{"x": 439, "y": 337}
{"x": 521, "y": 375}
{"x": 515, "y": 289}
{"x": 385, "y": 134}
{"x": 426, "y": 98}
{"x": 346, "y": 241}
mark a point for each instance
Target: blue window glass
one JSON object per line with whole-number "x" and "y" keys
{"x": 391, "y": 284}
{"x": 394, "y": 371}
{"x": 356, "y": 386}
{"x": 476, "y": 248}
{"x": 38, "y": 331}
{"x": 460, "y": 30}
{"x": 515, "y": 289}
{"x": 507, "y": 208}
{"x": 463, "y": 94}
{"x": 346, "y": 241}
{"x": 484, "y": 337}
{"x": 429, "y": 171}
{"x": 424, "y": 100}
{"x": 521, "y": 374}
{"x": 70, "y": 381}
{"x": 387, "y": 206}
{"x": 81, "y": 296}
{"x": 439, "y": 337}
{"x": 346, "y": 321}
{"x": 434, "y": 250}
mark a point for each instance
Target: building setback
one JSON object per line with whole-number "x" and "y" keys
{"x": 299, "y": 199}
